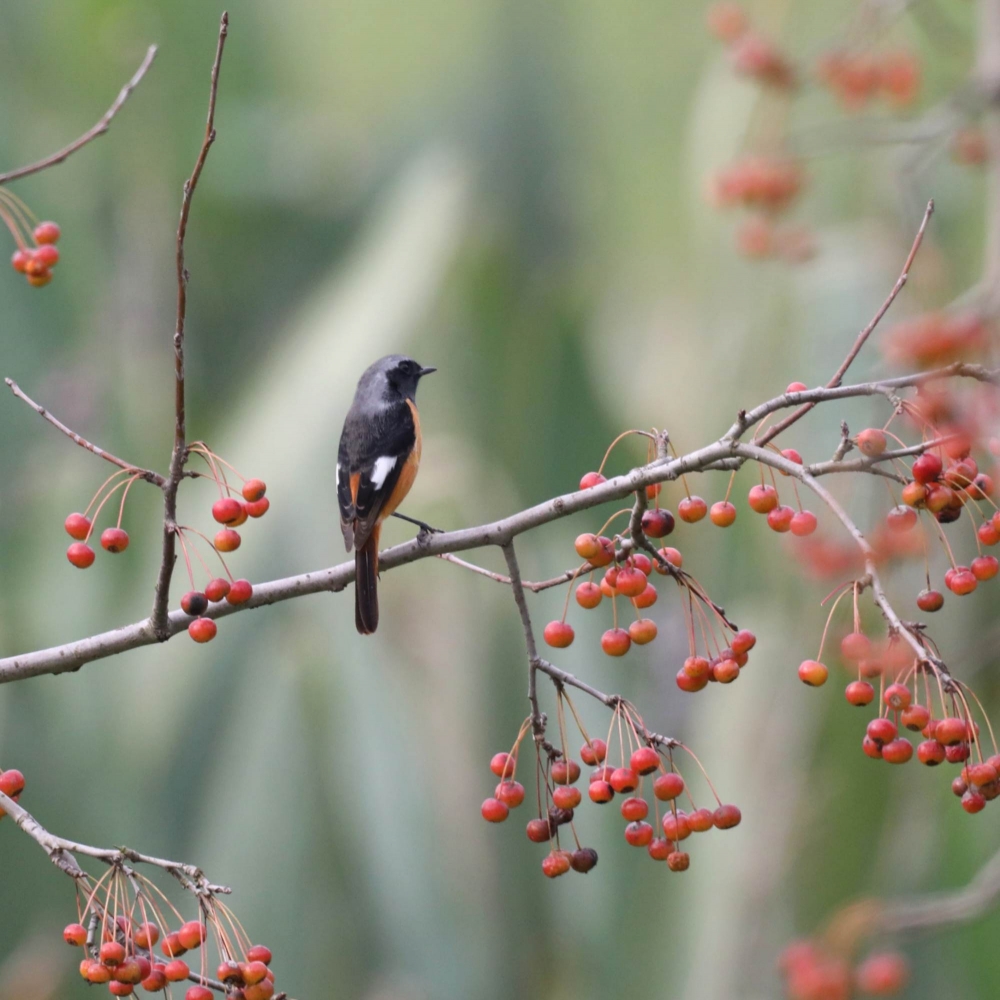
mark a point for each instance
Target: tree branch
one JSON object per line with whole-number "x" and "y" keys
{"x": 178, "y": 458}
{"x": 99, "y": 129}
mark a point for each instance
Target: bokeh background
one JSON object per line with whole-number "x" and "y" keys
{"x": 513, "y": 192}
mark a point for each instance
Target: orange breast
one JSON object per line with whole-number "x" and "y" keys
{"x": 409, "y": 471}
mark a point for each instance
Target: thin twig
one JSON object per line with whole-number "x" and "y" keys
{"x": 99, "y": 129}
{"x": 534, "y": 587}
{"x": 149, "y": 476}
{"x": 178, "y": 457}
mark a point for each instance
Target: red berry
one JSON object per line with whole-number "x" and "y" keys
{"x": 194, "y": 602}
{"x": 871, "y": 748}
{"x": 901, "y": 518}
{"x": 882, "y": 731}
{"x": 722, "y": 514}
{"x": 146, "y": 935}
{"x": 926, "y": 468}
{"x": 803, "y": 523}
{"x": 259, "y": 953}
{"x": 227, "y": 540}
{"x": 796, "y": 387}
{"x": 593, "y": 752}
{"x": 883, "y": 975}
{"x": 242, "y": 516}
{"x": 254, "y": 490}
{"x": 988, "y": 533}
{"x": 859, "y": 693}
{"x": 743, "y": 642}
{"x": 653, "y": 490}
{"x": 690, "y": 684}
{"x": 566, "y": 796}
{"x": 565, "y": 772}
{"x": 692, "y": 509}
{"x": 202, "y": 629}
{"x": 117, "y": 989}
{"x": 75, "y": 934}
{"x": 638, "y": 834}
{"x": 494, "y": 811}
{"x": 227, "y": 510}
{"x": 588, "y": 595}
{"x": 792, "y": 455}
{"x": 644, "y": 760}
{"x": 701, "y": 820}
{"x": 725, "y": 671}
{"x": 112, "y": 953}
{"x": 951, "y": 731}
{"x": 630, "y": 582}
{"x": 675, "y": 826}
{"x": 668, "y": 786}
{"x": 973, "y": 802}
{"x": 38, "y": 279}
{"x": 914, "y": 494}
{"x": 600, "y": 792}
{"x": 897, "y": 751}
{"x": 657, "y": 523}
{"x": 129, "y": 971}
{"x": 583, "y": 860}
{"x": 229, "y": 972}
{"x": 555, "y": 864}
{"x": 80, "y": 555}
{"x": 727, "y": 816}
{"x": 114, "y": 540}
{"x": 813, "y": 673}
{"x": 591, "y": 479}
{"x": 915, "y": 717}
{"x": 44, "y": 258}
{"x": 678, "y": 861}
{"x": 47, "y": 232}
{"x": 192, "y": 934}
{"x": 616, "y": 642}
{"x": 502, "y": 765}
{"x": 21, "y": 258}
{"x": 539, "y": 830}
{"x": 659, "y": 848}
{"x": 931, "y": 753}
{"x": 635, "y": 809}
{"x": 510, "y": 793}
{"x": 253, "y": 972}
{"x": 258, "y": 508}
{"x": 762, "y": 498}
{"x": 172, "y": 948}
{"x": 77, "y": 526}
{"x": 780, "y": 519}
{"x": 855, "y": 646}
{"x": 155, "y": 981}
{"x": 898, "y": 697}
{"x": 217, "y": 589}
{"x": 199, "y": 993}
{"x": 871, "y": 442}
{"x": 11, "y": 784}
{"x": 671, "y": 556}
{"x": 558, "y": 634}
{"x": 240, "y": 591}
{"x": 624, "y": 779}
{"x": 642, "y": 630}
{"x": 645, "y": 600}
{"x": 930, "y": 600}
{"x": 984, "y": 567}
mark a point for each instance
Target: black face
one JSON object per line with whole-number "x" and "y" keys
{"x": 406, "y": 374}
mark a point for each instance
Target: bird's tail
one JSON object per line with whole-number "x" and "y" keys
{"x": 366, "y": 585}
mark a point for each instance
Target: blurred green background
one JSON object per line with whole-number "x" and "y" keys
{"x": 513, "y": 192}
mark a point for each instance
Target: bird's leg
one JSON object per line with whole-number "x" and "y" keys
{"x": 425, "y": 528}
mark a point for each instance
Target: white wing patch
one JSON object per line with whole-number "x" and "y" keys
{"x": 382, "y": 467}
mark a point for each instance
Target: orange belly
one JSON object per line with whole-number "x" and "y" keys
{"x": 409, "y": 471}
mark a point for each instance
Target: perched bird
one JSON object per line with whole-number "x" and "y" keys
{"x": 376, "y": 464}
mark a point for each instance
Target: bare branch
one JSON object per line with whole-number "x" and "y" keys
{"x": 534, "y": 587}
{"x": 99, "y": 129}
{"x": 151, "y": 477}
{"x": 178, "y": 458}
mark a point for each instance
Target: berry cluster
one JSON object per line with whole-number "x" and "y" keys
{"x": 857, "y": 78}
{"x": 813, "y": 970}
{"x": 936, "y": 339}
{"x": 36, "y": 252}
{"x": 752, "y": 55}
{"x": 639, "y": 758}
{"x": 119, "y": 939}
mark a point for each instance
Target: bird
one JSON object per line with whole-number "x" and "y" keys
{"x": 377, "y": 461}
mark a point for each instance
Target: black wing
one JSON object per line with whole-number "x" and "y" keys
{"x": 365, "y": 477}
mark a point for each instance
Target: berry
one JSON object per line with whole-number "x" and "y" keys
{"x": 871, "y": 748}
{"x": 77, "y": 526}
{"x": 202, "y": 629}
{"x": 44, "y": 258}
{"x": 668, "y": 786}
{"x": 780, "y": 519}
{"x": 803, "y": 523}
{"x": 502, "y": 765}
{"x": 494, "y": 811}
{"x": 591, "y": 479}
{"x": 639, "y": 834}
{"x": 112, "y": 954}
{"x": 538, "y": 830}
{"x": 583, "y": 859}
{"x": 931, "y": 753}
{"x": 624, "y": 779}
{"x": 901, "y": 518}
{"x": 117, "y": 989}
{"x": 129, "y": 972}
{"x": 722, "y": 514}
{"x": 565, "y": 772}
{"x": 227, "y": 540}
{"x": 657, "y": 523}
{"x": 227, "y": 510}
{"x": 813, "y": 673}
{"x": 988, "y": 534}
{"x": 930, "y": 600}
{"x": 973, "y": 802}
{"x": 558, "y": 862}
{"x": 676, "y": 827}
{"x": 240, "y": 591}
{"x": 47, "y": 232}
{"x": 630, "y": 582}
{"x": 678, "y": 861}
{"x": 155, "y": 981}
{"x": 671, "y": 556}
{"x": 510, "y": 793}
{"x": 855, "y": 646}
{"x": 616, "y": 642}
{"x": 600, "y": 792}
{"x": 692, "y": 509}
{"x": 763, "y": 498}
{"x": 558, "y": 634}
{"x": 859, "y": 693}
{"x": 871, "y": 442}
{"x": 21, "y": 258}
{"x": 38, "y": 279}
{"x": 229, "y": 972}
{"x": 254, "y": 490}
{"x": 743, "y": 642}
{"x": 194, "y": 603}
{"x": 217, "y": 589}
{"x": 588, "y": 595}
{"x": 566, "y": 797}
{"x": 882, "y": 731}
{"x": 259, "y": 953}
{"x": 253, "y": 972}
{"x": 792, "y": 455}
{"x": 796, "y": 387}
{"x": 951, "y": 731}
{"x": 960, "y": 580}
{"x": 897, "y": 751}
{"x": 114, "y": 540}
{"x": 690, "y": 684}
{"x": 645, "y": 600}
{"x": 644, "y": 760}
{"x": 593, "y": 752}
{"x": 883, "y": 975}
{"x": 926, "y": 468}
{"x": 80, "y": 555}
{"x": 726, "y": 21}
{"x": 642, "y": 630}
{"x": 726, "y": 817}
{"x": 659, "y": 848}
{"x": 915, "y": 717}
{"x": 701, "y": 820}
{"x": 192, "y": 934}
{"x": 984, "y": 567}
{"x": 914, "y": 494}
{"x": 75, "y": 934}
{"x": 258, "y": 508}
{"x": 146, "y": 935}
{"x": 725, "y": 671}
{"x": 653, "y": 490}
{"x": 199, "y": 993}
{"x": 172, "y": 948}
{"x": 897, "y": 697}
{"x": 635, "y": 809}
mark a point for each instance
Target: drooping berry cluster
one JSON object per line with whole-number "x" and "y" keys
{"x": 36, "y": 252}
{"x": 121, "y": 923}
{"x": 858, "y": 77}
{"x": 639, "y": 760}
{"x": 817, "y": 970}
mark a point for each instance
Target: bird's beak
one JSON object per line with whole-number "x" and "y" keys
{"x": 426, "y": 371}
